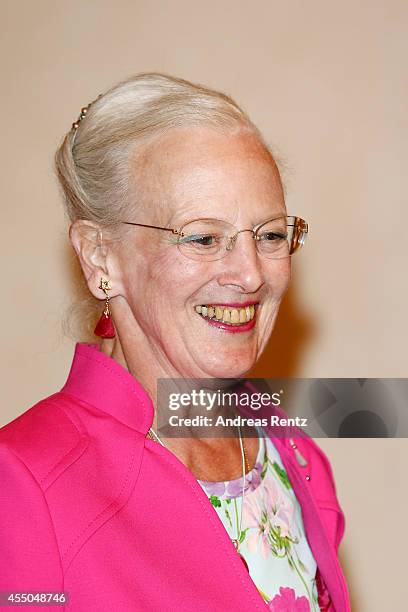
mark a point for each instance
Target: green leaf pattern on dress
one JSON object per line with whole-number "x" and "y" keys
{"x": 269, "y": 520}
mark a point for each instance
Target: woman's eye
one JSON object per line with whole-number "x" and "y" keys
{"x": 270, "y": 236}
{"x": 200, "y": 240}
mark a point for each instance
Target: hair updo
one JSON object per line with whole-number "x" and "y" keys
{"x": 92, "y": 162}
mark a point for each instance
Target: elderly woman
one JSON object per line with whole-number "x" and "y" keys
{"x": 179, "y": 222}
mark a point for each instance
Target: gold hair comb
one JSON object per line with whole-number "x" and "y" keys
{"x": 83, "y": 112}
{"x": 82, "y": 115}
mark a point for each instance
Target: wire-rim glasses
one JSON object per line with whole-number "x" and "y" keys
{"x": 211, "y": 239}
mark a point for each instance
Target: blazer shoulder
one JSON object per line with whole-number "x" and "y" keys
{"x": 46, "y": 436}
{"x": 30, "y": 555}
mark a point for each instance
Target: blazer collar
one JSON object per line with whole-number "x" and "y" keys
{"x": 103, "y": 383}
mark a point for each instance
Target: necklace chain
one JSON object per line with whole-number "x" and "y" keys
{"x": 153, "y": 435}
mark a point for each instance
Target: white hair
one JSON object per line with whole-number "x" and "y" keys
{"x": 93, "y": 161}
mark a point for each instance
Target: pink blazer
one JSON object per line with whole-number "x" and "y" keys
{"x": 81, "y": 493}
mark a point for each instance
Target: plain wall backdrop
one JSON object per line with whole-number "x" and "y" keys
{"x": 327, "y": 84}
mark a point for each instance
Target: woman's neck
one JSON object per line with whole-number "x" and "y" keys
{"x": 214, "y": 459}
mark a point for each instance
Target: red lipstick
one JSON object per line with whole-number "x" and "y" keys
{"x": 233, "y": 329}
{"x": 233, "y": 304}
{"x": 228, "y": 327}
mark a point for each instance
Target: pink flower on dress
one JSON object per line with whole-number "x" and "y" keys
{"x": 261, "y": 512}
{"x": 287, "y": 601}
{"x": 255, "y": 518}
{"x": 279, "y": 507}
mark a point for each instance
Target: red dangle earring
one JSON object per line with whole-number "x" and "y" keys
{"x": 104, "y": 328}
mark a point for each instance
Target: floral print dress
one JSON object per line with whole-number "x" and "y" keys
{"x": 272, "y": 539}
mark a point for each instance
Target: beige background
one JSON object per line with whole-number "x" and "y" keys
{"x": 326, "y": 82}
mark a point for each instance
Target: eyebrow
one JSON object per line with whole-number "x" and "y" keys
{"x": 269, "y": 217}
{"x": 181, "y": 216}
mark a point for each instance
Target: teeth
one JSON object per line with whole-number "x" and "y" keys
{"x": 233, "y": 316}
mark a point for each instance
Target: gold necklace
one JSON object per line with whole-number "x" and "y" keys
{"x": 236, "y": 541}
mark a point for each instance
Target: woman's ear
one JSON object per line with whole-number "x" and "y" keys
{"x": 94, "y": 255}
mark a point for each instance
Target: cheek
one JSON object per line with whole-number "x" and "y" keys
{"x": 164, "y": 278}
{"x": 278, "y": 275}
{"x": 179, "y": 276}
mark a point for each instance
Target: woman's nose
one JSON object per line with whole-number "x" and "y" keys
{"x": 241, "y": 266}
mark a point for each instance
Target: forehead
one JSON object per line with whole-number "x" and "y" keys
{"x": 201, "y": 172}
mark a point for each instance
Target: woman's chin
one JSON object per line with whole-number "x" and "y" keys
{"x": 229, "y": 370}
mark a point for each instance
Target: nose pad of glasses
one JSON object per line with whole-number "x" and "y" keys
{"x": 231, "y": 240}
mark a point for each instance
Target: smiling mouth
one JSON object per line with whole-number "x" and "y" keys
{"x": 228, "y": 315}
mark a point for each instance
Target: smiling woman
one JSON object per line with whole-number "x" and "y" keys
{"x": 211, "y": 174}
{"x": 178, "y": 219}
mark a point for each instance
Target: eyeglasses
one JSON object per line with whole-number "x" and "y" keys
{"x": 212, "y": 239}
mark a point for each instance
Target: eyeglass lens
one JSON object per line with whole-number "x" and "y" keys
{"x": 210, "y": 239}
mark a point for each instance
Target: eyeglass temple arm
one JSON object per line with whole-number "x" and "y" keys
{"x": 166, "y": 229}
{"x": 300, "y": 223}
